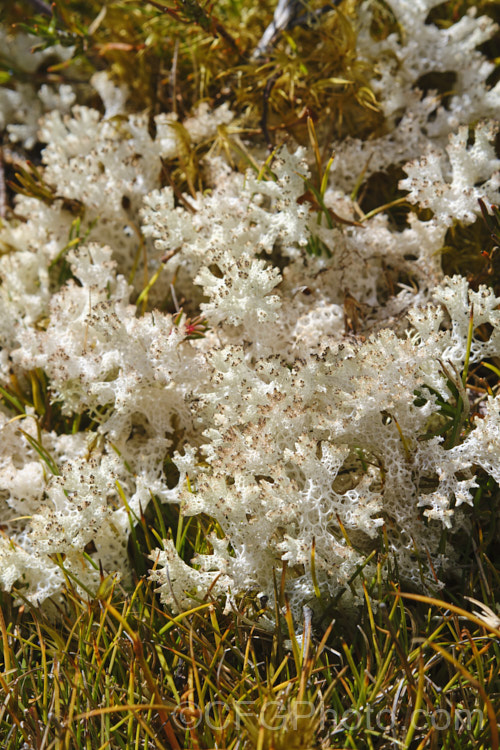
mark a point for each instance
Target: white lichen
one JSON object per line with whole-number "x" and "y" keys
{"x": 299, "y": 420}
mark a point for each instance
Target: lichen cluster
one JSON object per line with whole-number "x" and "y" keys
{"x": 253, "y": 337}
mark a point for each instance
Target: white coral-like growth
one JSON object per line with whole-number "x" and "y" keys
{"x": 21, "y": 105}
{"x": 281, "y": 457}
{"x": 451, "y": 190}
{"x": 299, "y": 422}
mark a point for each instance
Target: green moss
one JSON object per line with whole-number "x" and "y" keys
{"x": 173, "y": 58}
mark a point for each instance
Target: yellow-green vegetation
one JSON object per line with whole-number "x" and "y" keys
{"x": 118, "y": 670}
{"x": 176, "y": 55}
